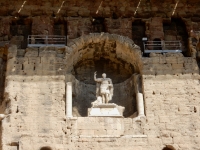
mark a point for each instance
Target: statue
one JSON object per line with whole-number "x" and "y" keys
{"x": 104, "y": 93}
{"x": 104, "y": 89}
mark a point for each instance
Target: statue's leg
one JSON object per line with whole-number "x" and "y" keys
{"x": 103, "y": 98}
{"x": 107, "y": 98}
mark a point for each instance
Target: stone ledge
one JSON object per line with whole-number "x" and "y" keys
{"x": 113, "y": 136}
{"x": 134, "y": 136}
{"x": 100, "y": 136}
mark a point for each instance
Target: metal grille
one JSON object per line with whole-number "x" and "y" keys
{"x": 3, "y": 43}
{"x": 46, "y": 40}
{"x": 162, "y": 47}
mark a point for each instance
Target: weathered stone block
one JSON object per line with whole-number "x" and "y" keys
{"x": 164, "y": 119}
{"x": 180, "y": 60}
{"x": 177, "y": 66}
{"x": 154, "y": 141}
{"x": 167, "y": 140}
{"x": 28, "y": 67}
{"x": 181, "y": 140}
{"x": 155, "y": 60}
{"x": 171, "y": 60}
{"x": 146, "y": 61}
{"x": 100, "y": 132}
{"x": 31, "y": 54}
{"x": 86, "y": 132}
{"x": 12, "y": 51}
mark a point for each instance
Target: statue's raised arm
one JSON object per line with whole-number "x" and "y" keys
{"x": 95, "y": 77}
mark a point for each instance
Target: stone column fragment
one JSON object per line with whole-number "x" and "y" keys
{"x": 140, "y": 105}
{"x": 69, "y": 99}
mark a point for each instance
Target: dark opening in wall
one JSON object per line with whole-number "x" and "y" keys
{"x": 114, "y": 15}
{"x": 168, "y": 148}
{"x": 157, "y": 44}
{"x": 98, "y": 25}
{"x": 138, "y": 32}
{"x": 176, "y": 31}
{"x": 46, "y": 148}
{"x": 60, "y": 27}
{"x": 15, "y": 144}
{"x": 20, "y": 29}
{"x": 3, "y": 64}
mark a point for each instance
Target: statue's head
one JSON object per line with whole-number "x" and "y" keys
{"x": 104, "y": 75}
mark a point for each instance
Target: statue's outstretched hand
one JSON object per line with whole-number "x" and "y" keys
{"x": 95, "y": 73}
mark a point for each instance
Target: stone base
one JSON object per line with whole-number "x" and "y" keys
{"x": 106, "y": 110}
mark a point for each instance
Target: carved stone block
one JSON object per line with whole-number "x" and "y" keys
{"x": 107, "y": 110}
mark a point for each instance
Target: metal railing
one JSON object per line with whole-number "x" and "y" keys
{"x": 3, "y": 43}
{"x": 162, "y": 47}
{"x": 46, "y": 40}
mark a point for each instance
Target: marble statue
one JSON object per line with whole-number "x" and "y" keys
{"x": 104, "y": 89}
{"x": 104, "y": 93}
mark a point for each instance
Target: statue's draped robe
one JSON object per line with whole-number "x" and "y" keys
{"x": 111, "y": 89}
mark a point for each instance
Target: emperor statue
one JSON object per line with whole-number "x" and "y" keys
{"x": 104, "y": 89}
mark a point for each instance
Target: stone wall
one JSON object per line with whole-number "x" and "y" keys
{"x": 33, "y": 80}
{"x": 171, "y": 99}
{"x": 42, "y": 25}
{"x": 172, "y": 109}
{"x": 16, "y": 29}
{"x": 38, "y": 93}
{"x": 86, "y": 8}
{"x": 154, "y": 28}
{"x": 35, "y": 101}
{"x": 172, "y": 64}
{"x": 172, "y": 117}
{"x": 119, "y": 26}
{"x": 78, "y": 26}
{"x": 35, "y": 106}
{"x": 34, "y": 61}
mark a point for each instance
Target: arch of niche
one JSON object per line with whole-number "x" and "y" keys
{"x": 125, "y": 49}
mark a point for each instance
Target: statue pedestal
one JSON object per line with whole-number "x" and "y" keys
{"x": 106, "y": 110}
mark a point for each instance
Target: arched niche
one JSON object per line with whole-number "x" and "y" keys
{"x": 115, "y": 55}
